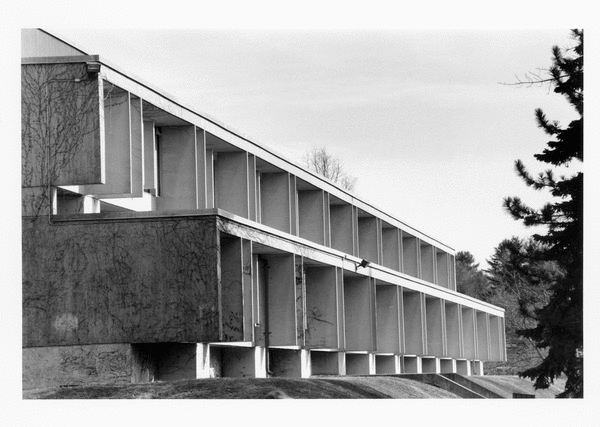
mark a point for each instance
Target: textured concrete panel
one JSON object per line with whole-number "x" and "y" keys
{"x": 275, "y": 206}
{"x": 177, "y": 164}
{"x": 150, "y": 280}
{"x": 78, "y": 364}
{"x": 231, "y": 182}
{"x": 342, "y": 228}
{"x": 388, "y": 333}
{"x": 321, "y": 307}
{"x": 311, "y": 216}
{"x": 358, "y": 315}
{"x": 232, "y": 300}
{"x": 62, "y": 131}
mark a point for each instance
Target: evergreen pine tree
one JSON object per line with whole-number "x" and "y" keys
{"x": 560, "y": 322}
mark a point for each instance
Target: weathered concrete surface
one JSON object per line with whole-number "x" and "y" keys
{"x": 76, "y": 365}
{"x": 62, "y": 127}
{"x": 130, "y": 280}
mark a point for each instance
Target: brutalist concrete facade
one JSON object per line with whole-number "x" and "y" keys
{"x": 159, "y": 244}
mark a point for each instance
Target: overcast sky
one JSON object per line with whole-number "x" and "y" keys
{"x": 419, "y": 117}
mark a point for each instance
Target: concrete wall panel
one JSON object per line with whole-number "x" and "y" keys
{"x": 358, "y": 315}
{"x": 427, "y": 262}
{"x": 66, "y": 115}
{"x": 443, "y": 271}
{"x": 321, "y": 307}
{"x": 342, "y": 235}
{"x": 282, "y": 300}
{"x": 469, "y": 333}
{"x": 275, "y": 201}
{"x": 177, "y": 163}
{"x": 435, "y": 327}
{"x": 232, "y": 293}
{"x": 311, "y": 216}
{"x": 482, "y": 336}
{"x": 391, "y": 248}
{"x": 77, "y": 364}
{"x": 367, "y": 239}
{"x": 231, "y": 182}
{"x": 149, "y": 280}
{"x": 388, "y": 322}
{"x": 453, "y": 335}
{"x": 410, "y": 255}
{"x": 119, "y": 162}
{"x": 413, "y": 323}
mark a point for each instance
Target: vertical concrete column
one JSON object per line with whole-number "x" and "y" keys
{"x": 260, "y": 366}
{"x": 231, "y": 182}
{"x": 368, "y": 244}
{"x": 275, "y": 201}
{"x": 443, "y": 270}
{"x": 453, "y": 335}
{"x": 358, "y": 318}
{"x": 150, "y": 158}
{"x": 210, "y": 177}
{"x": 248, "y": 290}
{"x": 293, "y": 197}
{"x": 321, "y": 307}
{"x": 203, "y": 365}
{"x": 469, "y": 333}
{"x": 177, "y": 163}
{"x": 305, "y": 370}
{"x": 342, "y": 236}
{"x": 201, "y": 169}
{"x": 355, "y": 230}
{"x": 410, "y": 255}
{"x": 258, "y": 300}
{"x": 252, "y": 190}
{"x": 388, "y": 318}
{"x": 301, "y": 325}
{"x": 340, "y": 308}
{"x": 327, "y": 219}
{"x": 311, "y": 215}
{"x": 435, "y": 326}
{"x": 413, "y": 323}
{"x": 137, "y": 146}
{"x": 391, "y": 248}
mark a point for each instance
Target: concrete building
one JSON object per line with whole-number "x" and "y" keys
{"x": 160, "y": 244}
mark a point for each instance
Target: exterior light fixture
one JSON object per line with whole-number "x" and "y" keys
{"x": 364, "y": 263}
{"x": 93, "y": 67}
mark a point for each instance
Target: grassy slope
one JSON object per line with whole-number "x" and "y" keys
{"x": 250, "y": 388}
{"x": 313, "y": 388}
